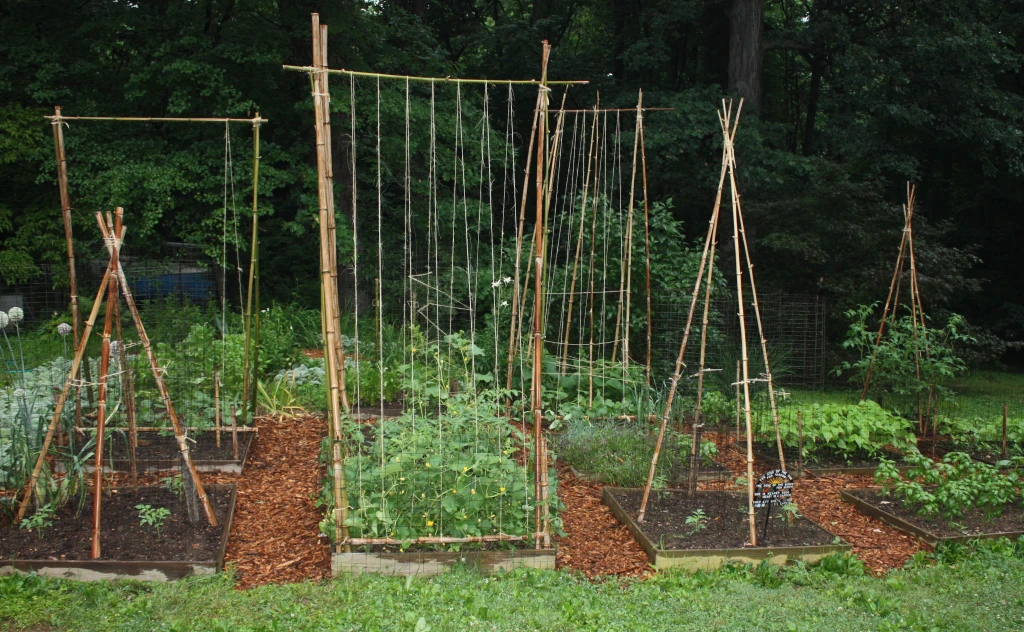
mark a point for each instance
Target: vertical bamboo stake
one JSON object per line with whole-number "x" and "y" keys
{"x": 686, "y": 337}
{"x": 800, "y": 442}
{"x": 65, "y": 211}
{"x": 128, "y": 395}
{"x": 158, "y": 372}
{"x": 101, "y": 407}
{"x": 515, "y": 329}
{"x": 216, "y": 405}
{"x": 694, "y": 459}
{"x": 30, "y": 485}
{"x": 629, "y": 231}
{"x": 738, "y": 378}
{"x": 321, "y": 104}
{"x": 234, "y": 433}
{"x": 698, "y": 412}
{"x": 538, "y": 305}
{"x": 647, "y": 244}
{"x": 743, "y": 333}
{"x": 254, "y": 270}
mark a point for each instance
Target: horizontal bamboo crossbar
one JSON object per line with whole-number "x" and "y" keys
{"x": 437, "y": 540}
{"x": 380, "y": 75}
{"x": 575, "y": 110}
{"x": 157, "y": 119}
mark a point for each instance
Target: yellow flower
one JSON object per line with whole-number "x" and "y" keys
{"x": 465, "y": 469}
{"x": 472, "y": 491}
{"x": 427, "y": 464}
{"x": 430, "y": 523}
{"x": 397, "y": 459}
{"x": 501, "y": 489}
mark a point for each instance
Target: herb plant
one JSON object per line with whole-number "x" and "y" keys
{"x": 697, "y": 521}
{"x": 155, "y": 517}
{"x": 39, "y": 521}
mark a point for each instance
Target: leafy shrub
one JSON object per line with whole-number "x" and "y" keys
{"x": 851, "y": 430}
{"x": 951, "y": 486}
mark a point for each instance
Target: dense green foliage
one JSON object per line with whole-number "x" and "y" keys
{"x": 856, "y": 98}
{"x": 957, "y": 588}
{"x": 951, "y": 486}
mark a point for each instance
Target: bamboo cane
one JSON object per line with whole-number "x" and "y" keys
{"x": 629, "y": 231}
{"x": 128, "y": 395}
{"x": 647, "y": 245}
{"x": 698, "y": 411}
{"x": 686, "y": 336}
{"x": 540, "y": 468}
{"x": 154, "y": 119}
{"x": 101, "y": 415}
{"x": 252, "y": 319}
{"x": 549, "y": 192}
{"x": 515, "y": 329}
{"x": 738, "y": 376}
{"x": 800, "y": 442}
{"x": 591, "y": 160}
{"x": 216, "y": 406}
{"x": 757, "y": 308}
{"x": 84, "y": 430}
{"x": 65, "y": 211}
{"x": 179, "y": 436}
{"x": 743, "y": 329}
{"x": 234, "y": 433}
{"x": 591, "y": 300}
{"x": 326, "y": 195}
{"x": 378, "y": 75}
{"x": 62, "y": 399}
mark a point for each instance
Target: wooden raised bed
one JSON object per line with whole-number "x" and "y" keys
{"x": 148, "y": 570}
{"x": 436, "y": 562}
{"x": 908, "y": 526}
{"x": 220, "y": 460}
{"x": 710, "y": 559}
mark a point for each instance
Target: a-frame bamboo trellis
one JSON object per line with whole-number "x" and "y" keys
{"x": 892, "y": 302}
{"x": 114, "y": 277}
{"x": 729, "y": 124}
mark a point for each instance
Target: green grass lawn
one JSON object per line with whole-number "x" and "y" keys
{"x": 979, "y": 588}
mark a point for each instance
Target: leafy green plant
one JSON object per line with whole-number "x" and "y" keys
{"x": 39, "y": 521}
{"x": 155, "y": 517}
{"x": 174, "y": 484}
{"x": 697, "y": 521}
{"x": 950, "y": 487}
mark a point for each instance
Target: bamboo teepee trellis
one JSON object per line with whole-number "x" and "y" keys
{"x": 729, "y": 124}
{"x": 113, "y": 237}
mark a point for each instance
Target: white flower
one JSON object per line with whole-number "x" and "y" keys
{"x": 507, "y": 279}
{"x": 16, "y": 315}
{"x": 4, "y": 320}
{"x": 496, "y": 283}
{"x": 504, "y": 303}
{"x": 19, "y": 392}
{"x": 64, "y": 329}
{"x": 115, "y": 348}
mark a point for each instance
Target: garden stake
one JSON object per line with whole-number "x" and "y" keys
{"x": 694, "y": 460}
{"x": 158, "y": 372}
{"x": 647, "y": 243}
{"x": 128, "y": 396}
{"x": 65, "y": 211}
{"x": 30, "y": 485}
{"x": 101, "y": 417}
{"x": 216, "y": 405}
{"x": 234, "y": 433}
{"x": 738, "y": 401}
{"x": 252, "y": 304}
{"x": 800, "y": 442}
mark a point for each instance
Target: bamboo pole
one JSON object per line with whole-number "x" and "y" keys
{"x": 591, "y": 300}
{"x": 128, "y": 395}
{"x": 800, "y": 442}
{"x": 250, "y": 374}
{"x": 647, "y": 246}
{"x": 379, "y": 75}
{"x": 686, "y": 337}
{"x": 216, "y": 406}
{"x": 629, "y": 231}
{"x": 549, "y": 192}
{"x": 743, "y": 328}
{"x": 515, "y": 329}
{"x": 65, "y": 211}
{"x": 156, "y": 119}
{"x": 591, "y": 161}
{"x": 738, "y": 376}
{"x": 62, "y": 399}
{"x": 234, "y": 433}
{"x": 757, "y": 307}
{"x": 698, "y": 411}
{"x": 321, "y": 104}
{"x": 84, "y": 430}
{"x": 101, "y": 414}
{"x": 111, "y": 243}
{"x": 538, "y": 300}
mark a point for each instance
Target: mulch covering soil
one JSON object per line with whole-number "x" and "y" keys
{"x": 122, "y": 538}
{"x": 878, "y": 545}
{"x": 726, "y": 525}
{"x": 973, "y": 522}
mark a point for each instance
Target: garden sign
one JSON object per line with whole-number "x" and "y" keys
{"x": 773, "y": 488}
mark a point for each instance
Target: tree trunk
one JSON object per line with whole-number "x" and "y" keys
{"x": 746, "y": 22}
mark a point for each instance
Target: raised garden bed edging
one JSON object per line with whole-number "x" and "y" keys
{"x": 172, "y": 464}
{"x": 703, "y": 476}
{"x": 710, "y": 559}
{"x": 869, "y": 509}
{"x": 436, "y": 562}
{"x": 145, "y": 570}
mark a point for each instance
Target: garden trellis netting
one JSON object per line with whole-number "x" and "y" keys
{"x": 489, "y": 342}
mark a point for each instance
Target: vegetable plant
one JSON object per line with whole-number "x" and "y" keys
{"x": 697, "y": 521}
{"x": 155, "y": 517}
{"x": 39, "y": 521}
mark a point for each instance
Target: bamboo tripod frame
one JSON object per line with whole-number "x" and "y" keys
{"x": 114, "y": 275}
{"x": 892, "y": 301}
{"x": 729, "y": 125}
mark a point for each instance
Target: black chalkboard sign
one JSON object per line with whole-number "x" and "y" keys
{"x": 774, "y": 488}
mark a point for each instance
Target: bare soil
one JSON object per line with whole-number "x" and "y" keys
{"x": 973, "y": 522}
